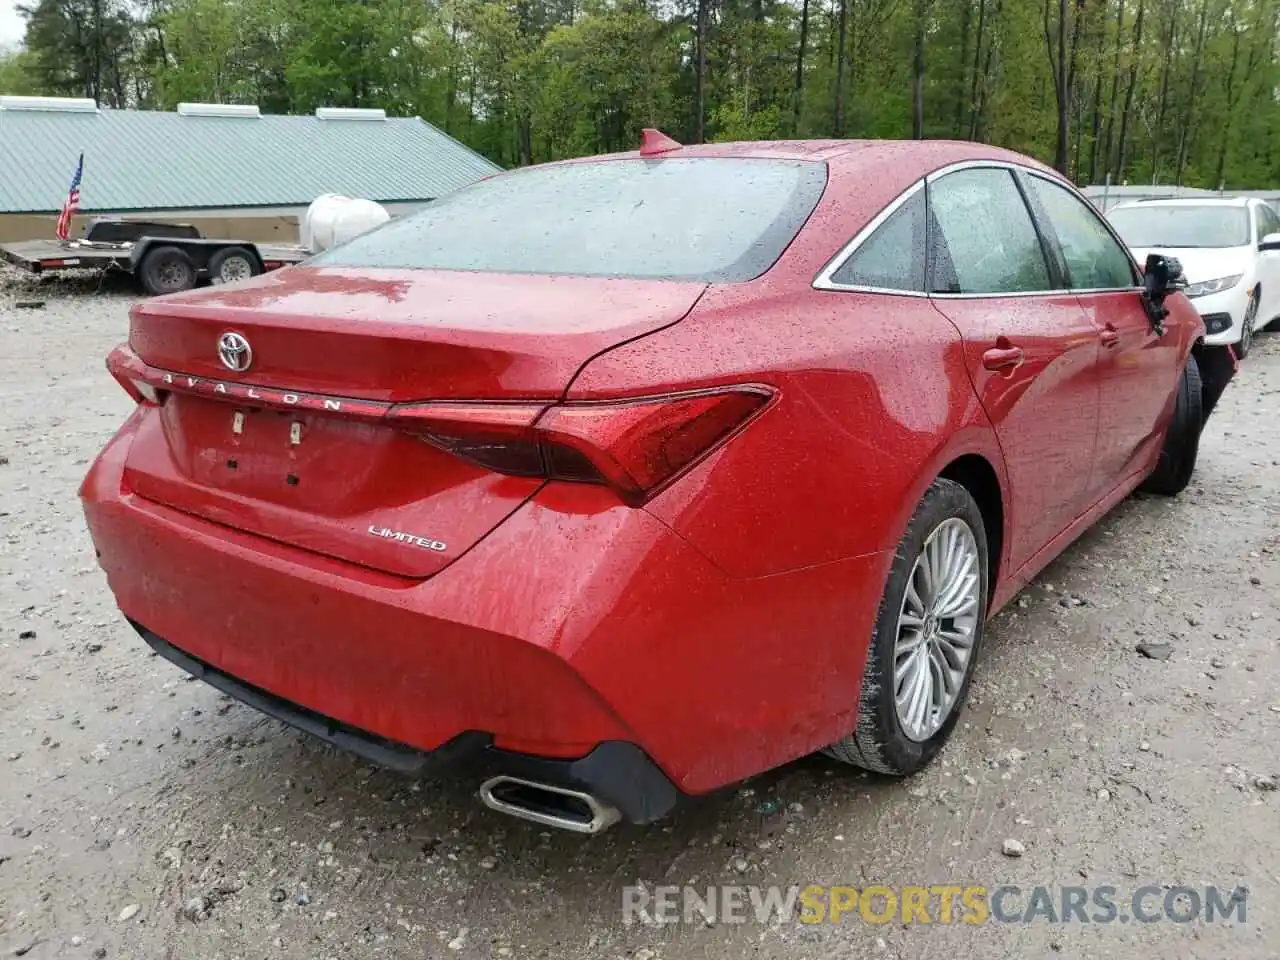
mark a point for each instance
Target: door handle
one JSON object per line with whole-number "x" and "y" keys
{"x": 1002, "y": 358}
{"x": 1110, "y": 336}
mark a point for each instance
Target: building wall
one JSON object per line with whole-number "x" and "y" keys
{"x": 269, "y": 225}
{"x": 279, "y": 228}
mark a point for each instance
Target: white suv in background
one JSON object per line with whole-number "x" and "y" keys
{"x": 1229, "y": 248}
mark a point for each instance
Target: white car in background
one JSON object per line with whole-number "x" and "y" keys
{"x": 1229, "y": 248}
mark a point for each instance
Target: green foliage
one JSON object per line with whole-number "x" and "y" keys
{"x": 17, "y": 74}
{"x": 1167, "y": 90}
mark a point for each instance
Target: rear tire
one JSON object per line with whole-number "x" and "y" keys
{"x": 1182, "y": 441}
{"x": 882, "y": 742}
{"x": 167, "y": 270}
{"x": 232, "y": 264}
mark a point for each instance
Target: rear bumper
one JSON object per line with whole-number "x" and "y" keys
{"x": 576, "y": 624}
{"x": 616, "y": 772}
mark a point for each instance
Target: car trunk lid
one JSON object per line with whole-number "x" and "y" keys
{"x": 298, "y": 446}
{"x": 401, "y": 335}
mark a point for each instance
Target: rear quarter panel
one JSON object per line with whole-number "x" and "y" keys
{"x": 872, "y": 402}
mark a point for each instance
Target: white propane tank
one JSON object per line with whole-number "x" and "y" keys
{"x": 333, "y": 219}
{"x": 318, "y": 206}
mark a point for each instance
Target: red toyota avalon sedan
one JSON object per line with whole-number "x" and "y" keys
{"x": 622, "y": 479}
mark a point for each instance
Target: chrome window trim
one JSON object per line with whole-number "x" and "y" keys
{"x": 879, "y": 291}
{"x": 1096, "y": 290}
{"x": 823, "y": 280}
{"x": 1031, "y": 293}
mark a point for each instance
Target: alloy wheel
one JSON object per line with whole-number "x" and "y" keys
{"x": 937, "y": 627}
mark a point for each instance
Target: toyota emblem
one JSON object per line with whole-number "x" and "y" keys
{"x": 234, "y": 352}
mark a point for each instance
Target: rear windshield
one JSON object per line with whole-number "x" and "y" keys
{"x": 707, "y": 219}
{"x": 1182, "y": 226}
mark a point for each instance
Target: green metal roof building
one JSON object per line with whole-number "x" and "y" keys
{"x": 219, "y": 160}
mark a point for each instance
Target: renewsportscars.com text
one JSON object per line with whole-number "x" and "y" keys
{"x": 942, "y": 903}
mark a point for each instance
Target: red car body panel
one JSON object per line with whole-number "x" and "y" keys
{"x": 723, "y": 625}
{"x": 587, "y": 646}
{"x": 1044, "y": 410}
{"x": 823, "y": 362}
{"x": 1133, "y": 379}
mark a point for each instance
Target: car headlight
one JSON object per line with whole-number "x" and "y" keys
{"x": 1206, "y": 287}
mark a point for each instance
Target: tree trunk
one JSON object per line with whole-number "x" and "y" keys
{"x": 832, "y": 19}
{"x": 700, "y": 71}
{"x": 1188, "y": 130}
{"x": 1061, "y": 94}
{"x": 451, "y": 86}
{"x": 1095, "y": 125}
{"x": 1231, "y": 105}
{"x": 471, "y": 101}
{"x": 962, "y": 68}
{"x": 96, "y": 28}
{"x": 798, "y": 102}
{"x": 1166, "y": 68}
{"x": 524, "y": 133}
{"x": 984, "y": 91}
{"x": 1096, "y": 129}
{"x": 917, "y": 91}
{"x": 844, "y": 22}
{"x": 1128, "y": 93}
{"x": 1115, "y": 89}
{"x": 978, "y": 72}
{"x": 1069, "y": 87}
{"x": 1060, "y": 151}
{"x": 1078, "y": 140}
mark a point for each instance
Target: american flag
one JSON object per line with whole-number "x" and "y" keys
{"x": 72, "y": 205}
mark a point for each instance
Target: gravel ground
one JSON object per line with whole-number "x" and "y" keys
{"x": 142, "y": 815}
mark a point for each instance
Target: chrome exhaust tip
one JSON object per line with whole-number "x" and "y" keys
{"x": 550, "y": 806}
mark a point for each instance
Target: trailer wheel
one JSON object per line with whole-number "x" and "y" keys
{"x": 232, "y": 264}
{"x": 167, "y": 270}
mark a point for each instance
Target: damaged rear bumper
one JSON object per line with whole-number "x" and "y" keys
{"x": 618, "y": 773}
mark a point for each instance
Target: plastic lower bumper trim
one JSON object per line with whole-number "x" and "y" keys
{"x": 615, "y": 771}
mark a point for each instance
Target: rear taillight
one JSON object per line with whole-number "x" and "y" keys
{"x": 499, "y": 436}
{"x": 634, "y": 446}
{"x": 129, "y": 372}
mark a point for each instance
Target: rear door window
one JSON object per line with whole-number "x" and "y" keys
{"x": 984, "y": 239}
{"x": 707, "y": 219}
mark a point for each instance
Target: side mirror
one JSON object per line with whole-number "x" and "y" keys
{"x": 1270, "y": 242}
{"x": 1161, "y": 277}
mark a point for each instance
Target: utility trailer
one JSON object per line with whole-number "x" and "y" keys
{"x": 161, "y": 257}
